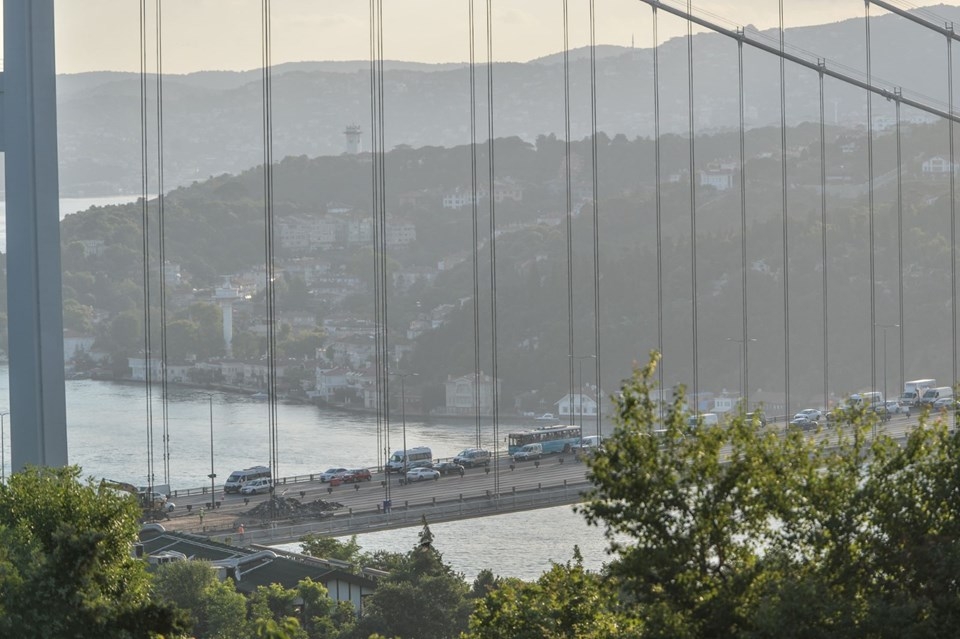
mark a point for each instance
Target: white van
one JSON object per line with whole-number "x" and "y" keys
{"x": 239, "y": 478}
{"x": 870, "y": 399}
{"x": 402, "y": 461}
{"x": 707, "y": 419}
{"x": 933, "y": 394}
{"x": 528, "y": 452}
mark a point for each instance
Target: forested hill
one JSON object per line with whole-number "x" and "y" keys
{"x": 212, "y": 120}
{"x": 215, "y": 227}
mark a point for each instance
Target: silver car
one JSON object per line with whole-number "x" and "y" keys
{"x": 420, "y": 474}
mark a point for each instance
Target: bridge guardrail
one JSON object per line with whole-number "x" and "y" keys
{"x": 409, "y": 513}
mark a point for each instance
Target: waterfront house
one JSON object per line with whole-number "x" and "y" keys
{"x": 461, "y": 394}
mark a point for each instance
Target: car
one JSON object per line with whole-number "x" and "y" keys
{"x": 589, "y": 444}
{"x": 813, "y": 414}
{"x": 420, "y": 474}
{"x": 944, "y": 403}
{"x": 330, "y": 473}
{"x": 528, "y": 452}
{"x": 256, "y": 487}
{"x": 895, "y": 407}
{"x": 472, "y": 457}
{"x": 802, "y": 422}
{"x": 449, "y": 468}
{"x": 355, "y": 475}
{"x": 759, "y": 417}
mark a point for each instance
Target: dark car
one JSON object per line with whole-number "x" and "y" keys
{"x": 356, "y": 475}
{"x": 803, "y": 423}
{"x": 448, "y": 468}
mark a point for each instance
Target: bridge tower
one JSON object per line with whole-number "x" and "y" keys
{"x": 28, "y": 137}
{"x": 354, "y": 135}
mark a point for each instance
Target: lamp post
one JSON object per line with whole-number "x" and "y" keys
{"x": 3, "y": 449}
{"x": 403, "y": 417}
{"x": 212, "y": 475}
{"x": 740, "y": 375}
{"x": 884, "y": 328}
{"x": 580, "y": 359}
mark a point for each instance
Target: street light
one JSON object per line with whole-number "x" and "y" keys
{"x": 740, "y": 375}
{"x": 212, "y": 475}
{"x": 580, "y": 359}
{"x": 3, "y": 449}
{"x": 403, "y": 417}
{"x": 884, "y": 328}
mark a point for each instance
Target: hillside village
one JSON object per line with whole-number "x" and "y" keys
{"x": 324, "y": 316}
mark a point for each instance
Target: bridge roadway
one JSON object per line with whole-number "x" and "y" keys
{"x": 529, "y": 485}
{"x": 526, "y": 486}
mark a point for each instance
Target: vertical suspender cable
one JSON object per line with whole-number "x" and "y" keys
{"x": 870, "y": 212}
{"x": 900, "y": 239}
{"x": 786, "y": 237}
{"x": 380, "y": 363}
{"x": 475, "y": 228}
{"x": 953, "y": 208}
{"x": 145, "y": 220}
{"x": 658, "y": 197}
{"x": 380, "y": 249}
{"x": 268, "y": 243}
{"x": 569, "y": 192}
{"x": 161, "y": 234}
{"x": 743, "y": 228}
{"x": 823, "y": 241}
{"x": 493, "y": 253}
{"x": 596, "y": 213}
{"x": 693, "y": 212}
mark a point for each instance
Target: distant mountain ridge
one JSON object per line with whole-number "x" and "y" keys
{"x": 212, "y": 120}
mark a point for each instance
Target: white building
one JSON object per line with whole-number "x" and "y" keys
{"x": 570, "y": 405}
{"x": 461, "y": 394}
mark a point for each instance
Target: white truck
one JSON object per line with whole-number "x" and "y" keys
{"x": 913, "y": 391}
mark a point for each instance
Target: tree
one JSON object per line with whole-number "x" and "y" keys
{"x": 567, "y": 601}
{"x": 332, "y": 548}
{"x": 66, "y": 568}
{"x": 215, "y": 608}
{"x": 737, "y": 531}
{"x": 423, "y": 598}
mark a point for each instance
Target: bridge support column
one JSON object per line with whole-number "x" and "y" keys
{"x": 38, "y": 422}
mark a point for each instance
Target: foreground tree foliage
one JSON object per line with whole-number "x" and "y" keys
{"x": 215, "y": 609}
{"x": 567, "y": 601}
{"x": 738, "y": 531}
{"x": 422, "y": 597}
{"x": 66, "y": 568}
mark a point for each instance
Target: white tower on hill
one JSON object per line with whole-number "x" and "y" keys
{"x": 354, "y": 139}
{"x": 225, "y": 295}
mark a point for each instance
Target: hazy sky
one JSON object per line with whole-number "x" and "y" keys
{"x": 225, "y": 34}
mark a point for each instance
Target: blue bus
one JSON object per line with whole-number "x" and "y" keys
{"x": 554, "y": 439}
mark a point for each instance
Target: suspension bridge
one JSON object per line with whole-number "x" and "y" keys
{"x": 788, "y": 307}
